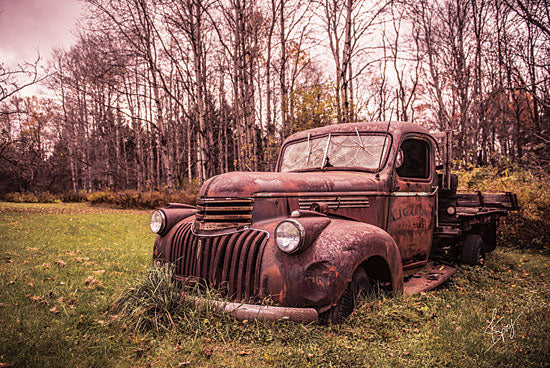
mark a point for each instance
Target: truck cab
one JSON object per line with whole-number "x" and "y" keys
{"x": 348, "y": 206}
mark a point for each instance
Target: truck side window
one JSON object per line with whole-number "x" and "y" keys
{"x": 416, "y": 159}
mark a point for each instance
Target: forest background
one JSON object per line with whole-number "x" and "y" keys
{"x": 159, "y": 95}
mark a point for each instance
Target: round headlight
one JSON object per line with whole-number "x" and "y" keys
{"x": 289, "y": 235}
{"x": 158, "y": 221}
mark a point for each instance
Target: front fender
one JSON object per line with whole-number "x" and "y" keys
{"x": 318, "y": 276}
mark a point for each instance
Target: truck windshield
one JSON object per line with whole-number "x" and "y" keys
{"x": 335, "y": 151}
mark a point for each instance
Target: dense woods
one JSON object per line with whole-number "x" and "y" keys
{"x": 156, "y": 94}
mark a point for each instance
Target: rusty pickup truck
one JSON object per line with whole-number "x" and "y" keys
{"x": 349, "y": 206}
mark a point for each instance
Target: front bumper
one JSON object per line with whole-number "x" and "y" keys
{"x": 243, "y": 312}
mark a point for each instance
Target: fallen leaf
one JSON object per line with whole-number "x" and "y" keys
{"x": 39, "y": 300}
{"x": 2, "y": 305}
{"x": 5, "y": 365}
{"x": 46, "y": 265}
{"x": 90, "y": 281}
{"x": 184, "y": 364}
{"x": 244, "y": 352}
{"x": 60, "y": 263}
{"x": 54, "y": 309}
{"x": 30, "y": 284}
{"x": 8, "y": 259}
{"x": 390, "y": 354}
{"x": 98, "y": 272}
{"x": 178, "y": 348}
{"x": 11, "y": 282}
{"x": 310, "y": 355}
{"x": 208, "y": 351}
{"x": 81, "y": 259}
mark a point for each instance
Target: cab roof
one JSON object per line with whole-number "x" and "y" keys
{"x": 397, "y": 128}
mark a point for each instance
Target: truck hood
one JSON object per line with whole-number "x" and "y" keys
{"x": 248, "y": 184}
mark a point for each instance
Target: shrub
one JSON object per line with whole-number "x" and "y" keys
{"x": 530, "y": 226}
{"x": 101, "y": 197}
{"x": 25, "y": 197}
{"x": 80, "y": 196}
{"x": 135, "y": 199}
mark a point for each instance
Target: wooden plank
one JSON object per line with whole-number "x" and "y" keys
{"x": 487, "y": 200}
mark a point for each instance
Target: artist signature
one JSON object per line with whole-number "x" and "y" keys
{"x": 499, "y": 330}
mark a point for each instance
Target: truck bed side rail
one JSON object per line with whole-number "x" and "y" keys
{"x": 506, "y": 201}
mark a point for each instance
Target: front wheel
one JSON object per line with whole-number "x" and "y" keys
{"x": 337, "y": 313}
{"x": 473, "y": 252}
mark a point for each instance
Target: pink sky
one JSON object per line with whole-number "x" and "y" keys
{"x": 30, "y": 25}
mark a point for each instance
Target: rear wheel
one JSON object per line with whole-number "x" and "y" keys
{"x": 337, "y": 313}
{"x": 472, "y": 250}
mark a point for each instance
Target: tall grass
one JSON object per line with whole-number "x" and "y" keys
{"x": 154, "y": 301}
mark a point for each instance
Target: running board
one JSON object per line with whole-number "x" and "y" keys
{"x": 427, "y": 278}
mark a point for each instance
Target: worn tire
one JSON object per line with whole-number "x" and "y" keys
{"x": 337, "y": 313}
{"x": 473, "y": 252}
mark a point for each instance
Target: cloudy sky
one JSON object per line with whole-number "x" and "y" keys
{"x": 30, "y": 25}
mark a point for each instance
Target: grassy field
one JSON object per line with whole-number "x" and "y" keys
{"x": 63, "y": 265}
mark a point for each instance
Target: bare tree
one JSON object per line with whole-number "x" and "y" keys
{"x": 15, "y": 79}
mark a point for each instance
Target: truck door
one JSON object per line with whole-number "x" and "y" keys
{"x": 413, "y": 199}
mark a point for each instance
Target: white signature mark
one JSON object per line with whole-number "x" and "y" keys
{"x": 500, "y": 331}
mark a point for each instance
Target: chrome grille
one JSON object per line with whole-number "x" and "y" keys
{"x": 229, "y": 263}
{"x": 223, "y": 213}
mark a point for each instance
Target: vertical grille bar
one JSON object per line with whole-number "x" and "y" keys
{"x": 193, "y": 260}
{"x": 227, "y": 261}
{"x": 251, "y": 265}
{"x": 258, "y": 262}
{"x": 177, "y": 252}
{"x": 243, "y": 265}
{"x": 186, "y": 245}
{"x": 205, "y": 258}
{"x": 238, "y": 254}
{"x": 217, "y": 268}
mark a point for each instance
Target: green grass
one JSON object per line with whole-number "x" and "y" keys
{"x": 51, "y": 316}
